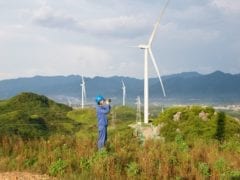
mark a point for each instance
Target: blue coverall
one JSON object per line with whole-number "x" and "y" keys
{"x": 102, "y": 112}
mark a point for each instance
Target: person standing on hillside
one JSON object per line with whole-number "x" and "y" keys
{"x": 103, "y": 108}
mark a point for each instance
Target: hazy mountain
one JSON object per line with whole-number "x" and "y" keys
{"x": 217, "y": 86}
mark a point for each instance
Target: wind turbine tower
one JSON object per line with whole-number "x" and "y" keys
{"x": 138, "y": 114}
{"x": 148, "y": 51}
{"x": 84, "y": 97}
{"x": 69, "y": 102}
{"x": 124, "y": 93}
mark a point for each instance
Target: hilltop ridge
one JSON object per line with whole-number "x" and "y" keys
{"x": 31, "y": 115}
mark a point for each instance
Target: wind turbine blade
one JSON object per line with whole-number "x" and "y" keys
{"x": 157, "y": 70}
{"x": 157, "y": 24}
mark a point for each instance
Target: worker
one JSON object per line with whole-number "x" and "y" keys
{"x": 103, "y": 108}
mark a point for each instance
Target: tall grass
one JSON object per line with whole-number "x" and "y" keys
{"x": 124, "y": 158}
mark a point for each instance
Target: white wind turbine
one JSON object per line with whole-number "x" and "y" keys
{"x": 124, "y": 93}
{"x": 69, "y": 102}
{"x": 147, "y": 50}
{"x": 138, "y": 114}
{"x": 84, "y": 96}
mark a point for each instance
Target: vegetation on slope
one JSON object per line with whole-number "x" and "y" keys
{"x": 30, "y": 115}
{"x": 209, "y": 153}
{"x": 87, "y": 120}
{"x": 195, "y": 122}
{"x": 119, "y": 118}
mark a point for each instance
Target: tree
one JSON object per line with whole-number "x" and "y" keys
{"x": 220, "y": 131}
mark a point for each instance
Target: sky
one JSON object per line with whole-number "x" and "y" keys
{"x": 95, "y": 37}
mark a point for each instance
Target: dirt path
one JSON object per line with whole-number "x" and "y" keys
{"x": 23, "y": 176}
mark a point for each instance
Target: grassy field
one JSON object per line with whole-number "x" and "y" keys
{"x": 194, "y": 147}
{"x": 70, "y": 157}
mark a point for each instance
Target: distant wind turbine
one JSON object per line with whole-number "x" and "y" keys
{"x": 147, "y": 50}
{"x": 84, "y": 96}
{"x": 124, "y": 93}
{"x": 69, "y": 102}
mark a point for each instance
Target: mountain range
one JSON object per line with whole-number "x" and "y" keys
{"x": 183, "y": 87}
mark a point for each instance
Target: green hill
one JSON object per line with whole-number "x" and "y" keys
{"x": 195, "y": 122}
{"x": 31, "y": 115}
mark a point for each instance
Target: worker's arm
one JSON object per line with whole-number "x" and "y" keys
{"x": 104, "y": 109}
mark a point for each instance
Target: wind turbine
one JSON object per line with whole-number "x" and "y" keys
{"x": 138, "y": 114}
{"x": 147, "y": 50}
{"x": 69, "y": 102}
{"x": 124, "y": 93}
{"x": 84, "y": 97}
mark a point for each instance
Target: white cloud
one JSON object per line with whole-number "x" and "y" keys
{"x": 2, "y": 34}
{"x": 175, "y": 32}
{"x": 11, "y": 32}
{"x": 119, "y": 26}
{"x": 122, "y": 26}
{"x": 47, "y": 17}
{"x": 229, "y": 6}
{"x": 62, "y": 59}
{"x": 77, "y": 59}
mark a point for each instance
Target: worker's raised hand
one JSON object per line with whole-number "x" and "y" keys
{"x": 108, "y": 101}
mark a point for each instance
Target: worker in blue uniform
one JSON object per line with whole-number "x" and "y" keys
{"x": 103, "y": 108}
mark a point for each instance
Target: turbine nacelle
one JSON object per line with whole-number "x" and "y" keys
{"x": 143, "y": 46}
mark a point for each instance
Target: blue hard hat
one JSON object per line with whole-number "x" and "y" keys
{"x": 99, "y": 98}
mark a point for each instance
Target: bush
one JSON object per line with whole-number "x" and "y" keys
{"x": 133, "y": 169}
{"x": 181, "y": 144}
{"x": 204, "y": 169}
{"x": 57, "y": 167}
{"x": 220, "y": 131}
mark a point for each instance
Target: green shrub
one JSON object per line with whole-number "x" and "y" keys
{"x": 220, "y": 165}
{"x": 220, "y": 131}
{"x": 181, "y": 144}
{"x": 85, "y": 163}
{"x": 234, "y": 174}
{"x": 204, "y": 169}
{"x": 57, "y": 167}
{"x": 30, "y": 162}
{"x": 133, "y": 169}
